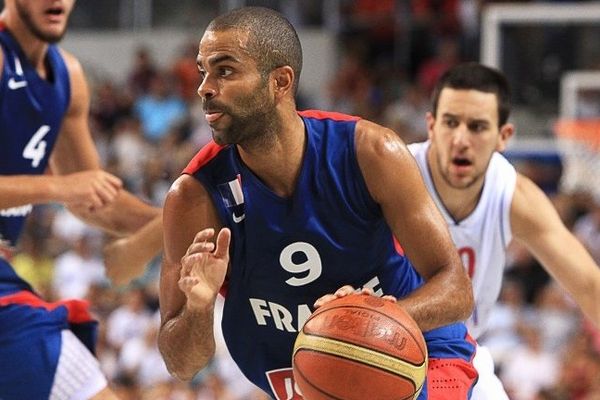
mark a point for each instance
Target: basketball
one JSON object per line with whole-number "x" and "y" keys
{"x": 360, "y": 347}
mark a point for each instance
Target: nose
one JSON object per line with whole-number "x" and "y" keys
{"x": 207, "y": 89}
{"x": 460, "y": 136}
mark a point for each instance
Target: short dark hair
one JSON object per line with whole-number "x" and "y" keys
{"x": 273, "y": 41}
{"x": 475, "y": 76}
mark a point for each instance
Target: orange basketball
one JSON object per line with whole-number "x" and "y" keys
{"x": 360, "y": 347}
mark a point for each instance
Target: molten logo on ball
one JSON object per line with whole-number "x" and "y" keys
{"x": 365, "y": 325}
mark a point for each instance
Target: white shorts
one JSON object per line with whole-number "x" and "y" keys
{"x": 78, "y": 375}
{"x": 488, "y": 386}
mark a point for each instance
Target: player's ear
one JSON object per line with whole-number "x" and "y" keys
{"x": 283, "y": 80}
{"x": 430, "y": 120}
{"x": 506, "y": 132}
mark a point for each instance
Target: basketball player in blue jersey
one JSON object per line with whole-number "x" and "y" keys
{"x": 44, "y": 104}
{"x": 486, "y": 202}
{"x": 284, "y": 207}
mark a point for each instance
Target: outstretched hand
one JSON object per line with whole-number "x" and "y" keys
{"x": 89, "y": 190}
{"x": 204, "y": 267}
{"x": 348, "y": 290}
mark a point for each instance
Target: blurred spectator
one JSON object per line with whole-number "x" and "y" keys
{"x": 159, "y": 109}
{"x": 406, "y": 116}
{"x": 185, "y": 72}
{"x": 77, "y": 269}
{"x": 502, "y": 335}
{"x": 352, "y": 89}
{"x": 557, "y": 316}
{"x": 108, "y": 106}
{"x": 130, "y": 320}
{"x": 35, "y": 264}
{"x": 587, "y": 230}
{"x": 130, "y": 151}
{"x": 142, "y": 72}
{"x": 530, "y": 368}
{"x": 446, "y": 55}
{"x": 140, "y": 359}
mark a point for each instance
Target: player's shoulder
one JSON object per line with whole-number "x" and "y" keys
{"x": 376, "y": 140}
{"x": 72, "y": 63}
{"x": 501, "y": 171}
{"x": 185, "y": 190}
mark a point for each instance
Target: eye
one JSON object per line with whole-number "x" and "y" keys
{"x": 225, "y": 72}
{"x": 450, "y": 122}
{"x": 202, "y": 73}
{"x": 477, "y": 127}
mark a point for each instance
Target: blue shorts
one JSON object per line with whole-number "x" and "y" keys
{"x": 30, "y": 341}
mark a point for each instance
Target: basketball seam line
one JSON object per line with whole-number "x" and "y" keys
{"x": 366, "y": 356}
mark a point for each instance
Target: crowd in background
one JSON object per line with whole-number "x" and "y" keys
{"x": 150, "y": 126}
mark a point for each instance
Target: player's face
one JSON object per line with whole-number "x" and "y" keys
{"x": 238, "y": 104}
{"x": 464, "y": 135}
{"x": 45, "y": 19}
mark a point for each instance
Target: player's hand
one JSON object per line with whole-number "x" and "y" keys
{"x": 122, "y": 262}
{"x": 204, "y": 267}
{"x": 88, "y": 189}
{"x": 347, "y": 290}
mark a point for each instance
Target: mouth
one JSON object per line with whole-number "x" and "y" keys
{"x": 461, "y": 162}
{"x": 212, "y": 116}
{"x": 55, "y": 13}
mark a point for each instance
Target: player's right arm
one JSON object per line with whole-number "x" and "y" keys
{"x": 192, "y": 273}
{"x": 535, "y": 222}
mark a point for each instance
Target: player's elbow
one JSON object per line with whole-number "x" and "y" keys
{"x": 468, "y": 299}
{"x": 180, "y": 374}
{"x": 178, "y": 367}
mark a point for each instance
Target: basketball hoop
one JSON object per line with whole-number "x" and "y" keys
{"x": 579, "y": 146}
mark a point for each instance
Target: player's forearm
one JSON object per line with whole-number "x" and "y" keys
{"x": 124, "y": 216}
{"x": 20, "y": 190}
{"x": 187, "y": 343}
{"x": 447, "y": 297}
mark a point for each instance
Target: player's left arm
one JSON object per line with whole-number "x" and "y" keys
{"x": 394, "y": 181}
{"x": 535, "y": 223}
{"x": 75, "y": 151}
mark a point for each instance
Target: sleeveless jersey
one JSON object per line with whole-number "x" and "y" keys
{"x": 483, "y": 236}
{"x": 31, "y": 111}
{"x": 287, "y": 252}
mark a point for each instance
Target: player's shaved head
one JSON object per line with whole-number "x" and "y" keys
{"x": 272, "y": 40}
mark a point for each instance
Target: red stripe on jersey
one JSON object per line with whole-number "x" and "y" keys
{"x": 207, "y": 153}
{"x": 77, "y": 310}
{"x": 398, "y": 247}
{"x": 318, "y": 114}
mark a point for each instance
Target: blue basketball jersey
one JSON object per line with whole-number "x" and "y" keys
{"x": 31, "y": 111}
{"x": 288, "y": 252}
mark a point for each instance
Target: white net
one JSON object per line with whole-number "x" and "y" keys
{"x": 579, "y": 146}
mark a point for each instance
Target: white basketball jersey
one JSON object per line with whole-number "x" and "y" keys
{"x": 482, "y": 237}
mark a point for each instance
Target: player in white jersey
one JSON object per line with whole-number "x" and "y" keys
{"x": 486, "y": 202}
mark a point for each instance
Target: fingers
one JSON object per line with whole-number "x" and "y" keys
{"x": 223, "y": 240}
{"x": 348, "y": 290}
{"x": 90, "y": 189}
{"x": 187, "y": 283}
{"x": 341, "y": 292}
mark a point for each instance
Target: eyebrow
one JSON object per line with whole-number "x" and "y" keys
{"x": 218, "y": 59}
{"x": 470, "y": 121}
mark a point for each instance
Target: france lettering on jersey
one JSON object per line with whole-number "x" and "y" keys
{"x": 31, "y": 111}
{"x": 287, "y": 252}
{"x": 483, "y": 236}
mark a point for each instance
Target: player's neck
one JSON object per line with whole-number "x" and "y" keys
{"x": 34, "y": 48}
{"x": 458, "y": 202}
{"x": 279, "y": 162}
